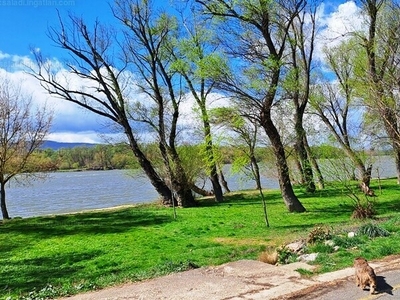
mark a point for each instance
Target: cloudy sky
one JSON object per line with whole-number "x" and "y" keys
{"x": 25, "y": 23}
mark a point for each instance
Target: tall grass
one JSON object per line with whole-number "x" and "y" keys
{"x": 67, "y": 254}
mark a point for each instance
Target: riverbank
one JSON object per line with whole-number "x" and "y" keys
{"x": 68, "y": 254}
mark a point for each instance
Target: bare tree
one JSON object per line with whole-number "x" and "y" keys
{"x": 23, "y": 128}
{"x": 148, "y": 48}
{"x": 107, "y": 90}
{"x": 255, "y": 35}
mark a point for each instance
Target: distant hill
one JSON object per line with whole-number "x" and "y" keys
{"x": 59, "y": 145}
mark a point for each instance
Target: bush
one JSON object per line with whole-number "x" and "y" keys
{"x": 346, "y": 242}
{"x": 372, "y": 230}
{"x": 285, "y": 255}
{"x": 364, "y": 211}
{"x": 319, "y": 234}
{"x": 269, "y": 257}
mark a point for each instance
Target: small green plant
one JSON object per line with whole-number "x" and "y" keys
{"x": 48, "y": 292}
{"x": 285, "y": 255}
{"x": 372, "y": 230}
{"x": 346, "y": 242}
{"x": 319, "y": 234}
{"x": 169, "y": 267}
{"x": 320, "y": 248}
{"x": 305, "y": 272}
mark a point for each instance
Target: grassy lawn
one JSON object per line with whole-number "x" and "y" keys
{"x": 67, "y": 254}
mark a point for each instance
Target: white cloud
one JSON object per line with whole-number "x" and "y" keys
{"x": 70, "y": 121}
{"x": 73, "y": 124}
{"x": 335, "y": 26}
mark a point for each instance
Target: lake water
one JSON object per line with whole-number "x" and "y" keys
{"x": 65, "y": 192}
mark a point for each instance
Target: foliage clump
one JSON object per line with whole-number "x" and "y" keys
{"x": 319, "y": 234}
{"x": 269, "y": 257}
{"x": 285, "y": 255}
{"x": 372, "y": 230}
{"x": 363, "y": 210}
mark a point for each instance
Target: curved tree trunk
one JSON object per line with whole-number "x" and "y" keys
{"x": 314, "y": 163}
{"x": 201, "y": 191}
{"x": 291, "y": 201}
{"x": 161, "y": 187}
{"x": 3, "y": 205}
{"x": 223, "y": 181}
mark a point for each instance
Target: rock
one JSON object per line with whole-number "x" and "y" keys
{"x": 329, "y": 243}
{"x": 351, "y": 234}
{"x": 296, "y": 247}
{"x": 308, "y": 257}
{"x": 336, "y": 248}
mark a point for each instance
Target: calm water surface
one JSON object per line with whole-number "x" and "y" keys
{"x": 65, "y": 192}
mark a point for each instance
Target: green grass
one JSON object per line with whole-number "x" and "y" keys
{"x": 68, "y": 254}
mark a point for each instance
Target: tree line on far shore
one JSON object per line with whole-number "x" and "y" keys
{"x": 119, "y": 157}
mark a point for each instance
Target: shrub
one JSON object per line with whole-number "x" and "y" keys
{"x": 373, "y": 230}
{"x": 346, "y": 242}
{"x": 319, "y": 234}
{"x": 363, "y": 210}
{"x": 285, "y": 255}
{"x": 269, "y": 257}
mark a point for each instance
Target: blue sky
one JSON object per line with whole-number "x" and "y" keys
{"x": 25, "y": 23}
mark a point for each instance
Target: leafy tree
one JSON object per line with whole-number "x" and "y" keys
{"x": 255, "y": 36}
{"x": 22, "y": 130}
{"x": 247, "y": 134}
{"x": 380, "y": 77}
{"x": 197, "y": 61}
{"x": 297, "y": 85}
{"x": 337, "y": 104}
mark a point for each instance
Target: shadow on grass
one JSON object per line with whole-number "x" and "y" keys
{"x": 242, "y": 198}
{"x": 33, "y": 274}
{"x": 85, "y": 223}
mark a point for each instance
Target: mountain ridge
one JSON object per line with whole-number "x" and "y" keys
{"x": 60, "y": 145}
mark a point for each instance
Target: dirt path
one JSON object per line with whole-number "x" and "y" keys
{"x": 245, "y": 279}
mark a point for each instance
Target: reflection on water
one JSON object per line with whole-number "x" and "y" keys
{"x": 65, "y": 192}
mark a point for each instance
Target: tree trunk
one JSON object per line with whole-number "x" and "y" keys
{"x": 161, "y": 187}
{"x": 217, "y": 189}
{"x": 301, "y": 179}
{"x": 397, "y": 161}
{"x": 291, "y": 201}
{"x": 223, "y": 181}
{"x": 314, "y": 163}
{"x": 306, "y": 168}
{"x": 256, "y": 172}
{"x": 201, "y": 191}
{"x": 366, "y": 179}
{"x": 183, "y": 195}
{"x": 3, "y": 205}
